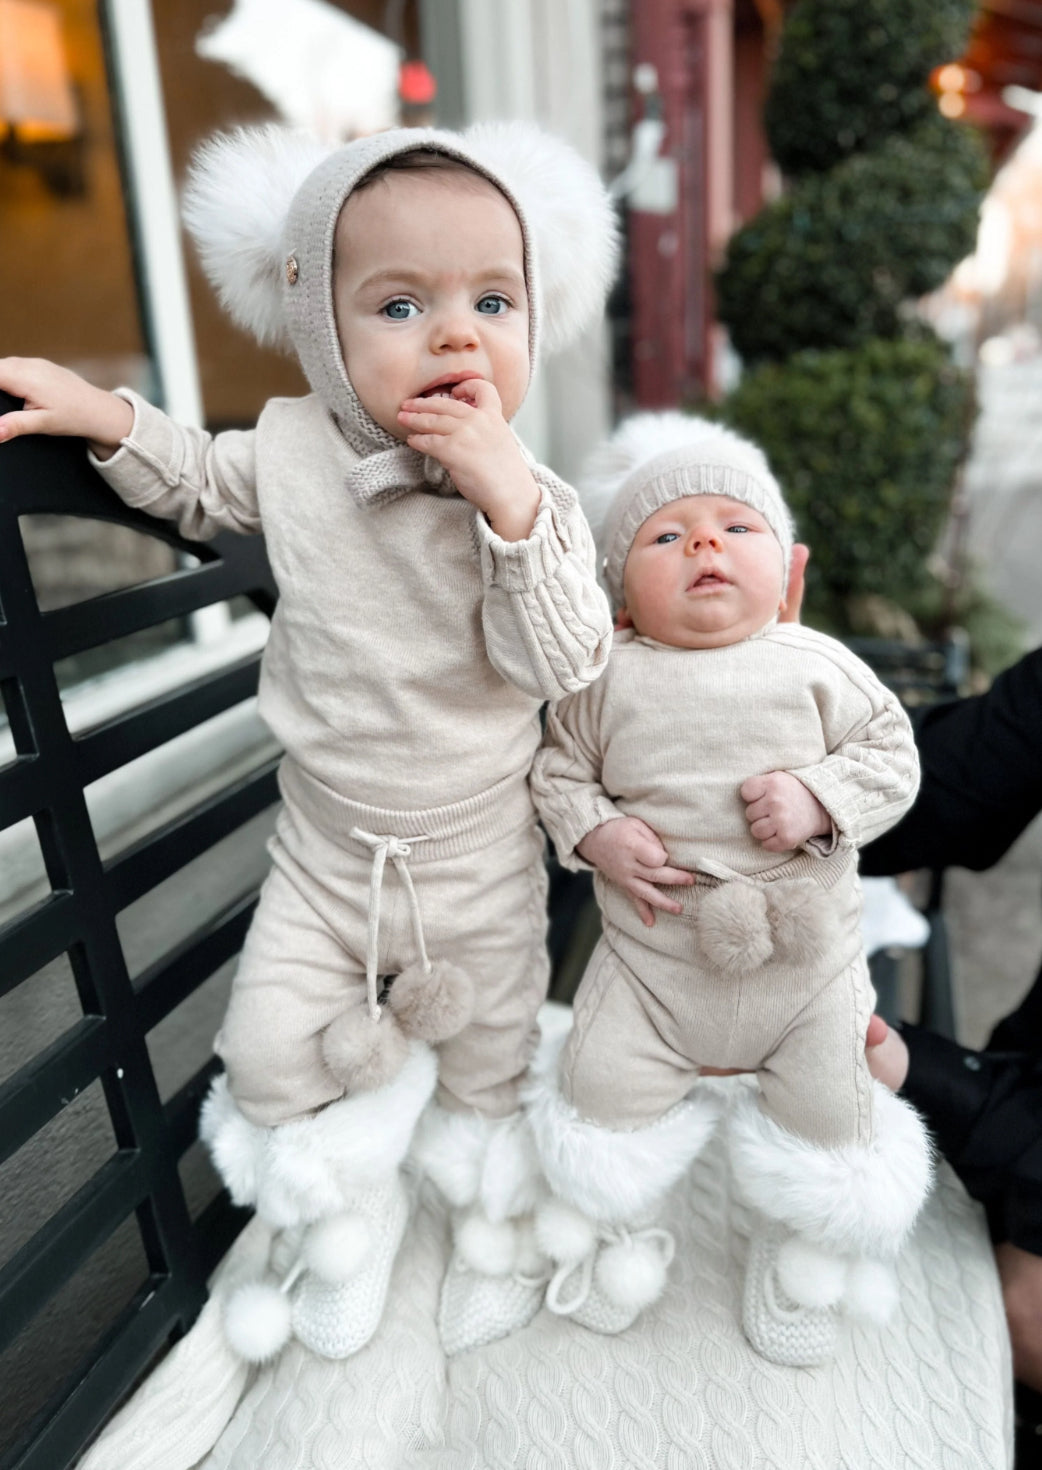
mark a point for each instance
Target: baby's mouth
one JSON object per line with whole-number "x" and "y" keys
{"x": 709, "y": 579}
{"x": 444, "y": 388}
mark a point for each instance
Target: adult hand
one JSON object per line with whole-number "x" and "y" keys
{"x": 790, "y": 610}
{"x": 629, "y": 853}
{"x": 1020, "y": 1273}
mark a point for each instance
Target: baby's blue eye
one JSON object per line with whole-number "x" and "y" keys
{"x": 493, "y": 305}
{"x": 738, "y": 530}
{"x": 666, "y": 538}
{"x": 399, "y": 310}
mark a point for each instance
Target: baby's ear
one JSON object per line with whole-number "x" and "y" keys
{"x": 570, "y": 215}
{"x": 237, "y": 196}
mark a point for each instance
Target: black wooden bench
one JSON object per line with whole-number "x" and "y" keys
{"x": 108, "y": 1043}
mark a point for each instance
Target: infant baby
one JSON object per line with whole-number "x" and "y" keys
{"x": 718, "y": 779}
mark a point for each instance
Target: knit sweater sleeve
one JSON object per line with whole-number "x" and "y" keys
{"x": 566, "y": 774}
{"x": 870, "y": 776}
{"x": 206, "y": 483}
{"x": 547, "y": 623}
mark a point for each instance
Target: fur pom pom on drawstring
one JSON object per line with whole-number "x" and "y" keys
{"x": 363, "y": 1054}
{"x": 734, "y": 934}
{"x": 235, "y": 203}
{"x": 432, "y": 1005}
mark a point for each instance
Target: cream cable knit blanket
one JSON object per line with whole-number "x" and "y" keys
{"x": 680, "y": 1391}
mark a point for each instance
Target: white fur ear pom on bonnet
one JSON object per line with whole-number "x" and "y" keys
{"x": 236, "y": 200}
{"x": 570, "y": 217}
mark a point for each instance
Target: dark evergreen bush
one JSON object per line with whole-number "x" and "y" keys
{"x": 832, "y": 261}
{"x": 866, "y": 444}
{"x": 851, "y": 72}
{"x": 858, "y": 406}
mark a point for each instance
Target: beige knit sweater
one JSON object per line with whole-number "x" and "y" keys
{"x": 670, "y": 734}
{"x": 412, "y": 647}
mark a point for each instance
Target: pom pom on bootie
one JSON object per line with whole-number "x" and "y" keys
{"x": 432, "y": 1005}
{"x": 257, "y": 1321}
{"x": 733, "y": 929}
{"x": 336, "y": 1248}
{"x": 363, "y": 1054}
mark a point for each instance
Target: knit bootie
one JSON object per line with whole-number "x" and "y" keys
{"x": 494, "y": 1285}
{"x": 780, "y": 1328}
{"x": 334, "y": 1280}
{"x": 604, "y": 1276}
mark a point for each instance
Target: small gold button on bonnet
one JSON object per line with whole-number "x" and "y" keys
{"x": 292, "y": 270}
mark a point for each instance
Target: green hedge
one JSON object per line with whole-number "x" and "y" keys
{"x": 851, "y": 72}
{"x": 831, "y": 262}
{"x": 866, "y": 444}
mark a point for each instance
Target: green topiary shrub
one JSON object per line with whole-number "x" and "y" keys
{"x": 866, "y": 444}
{"x": 831, "y": 262}
{"x": 850, "y": 73}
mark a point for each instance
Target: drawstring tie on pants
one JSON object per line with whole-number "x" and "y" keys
{"x": 384, "y": 846}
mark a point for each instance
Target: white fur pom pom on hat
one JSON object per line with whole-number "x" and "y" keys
{"x": 236, "y": 199}
{"x": 570, "y": 218}
{"x": 655, "y": 458}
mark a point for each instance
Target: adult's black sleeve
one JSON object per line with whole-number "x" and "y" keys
{"x": 982, "y": 778}
{"x": 984, "y": 1109}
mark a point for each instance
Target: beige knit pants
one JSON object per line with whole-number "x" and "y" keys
{"x": 649, "y": 1013}
{"x": 480, "y": 879}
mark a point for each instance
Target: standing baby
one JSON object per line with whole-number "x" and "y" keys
{"x": 718, "y": 779}
{"x": 436, "y": 586}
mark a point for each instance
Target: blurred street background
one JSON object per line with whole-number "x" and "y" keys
{"x": 833, "y": 240}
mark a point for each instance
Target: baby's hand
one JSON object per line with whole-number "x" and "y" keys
{"x": 468, "y": 434}
{"x": 60, "y": 402}
{"x": 630, "y": 854}
{"x": 783, "y": 813}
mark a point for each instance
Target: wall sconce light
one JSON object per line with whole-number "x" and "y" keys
{"x": 39, "y": 113}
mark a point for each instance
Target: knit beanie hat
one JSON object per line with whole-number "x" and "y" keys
{"x": 262, "y": 206}
{"x": 655, "y": 458}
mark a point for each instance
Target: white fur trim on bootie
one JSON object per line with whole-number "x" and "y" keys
{"x": 363, "y": 1054}
{"x": 433, "y": 1004}
{"x": 734, "y": 933}
{"x": 300, "y": 1172}
{"x": 475, "y": 1160}
{"x": 235, "y": 1145}
{"x": 858, "y": 1200}
{"x": 609, "y": 1174}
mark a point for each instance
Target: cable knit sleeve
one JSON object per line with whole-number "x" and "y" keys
{"x": 546, "y": 621}
{"x": 871, "y": 775}
{"x": 566, "y": 774}
{"x": 205, "y": 483}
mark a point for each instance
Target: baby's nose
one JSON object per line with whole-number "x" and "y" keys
{"x": 453, "y": 331}
{"x": 701, "y": 537}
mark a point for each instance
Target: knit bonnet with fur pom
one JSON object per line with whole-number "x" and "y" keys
{"x": 262, "y": 206}
{"x": 655, "y": 458}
